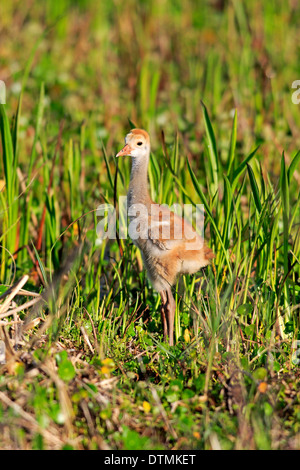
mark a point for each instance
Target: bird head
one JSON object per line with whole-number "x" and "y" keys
{"x": 137, "y": 144}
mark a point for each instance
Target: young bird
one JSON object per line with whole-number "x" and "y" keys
{"x": 168, "y": 243}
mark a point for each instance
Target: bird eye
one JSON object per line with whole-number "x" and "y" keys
{"x": 139, "y": 143}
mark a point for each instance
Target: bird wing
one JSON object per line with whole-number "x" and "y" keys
{"x": 168, "y": 230}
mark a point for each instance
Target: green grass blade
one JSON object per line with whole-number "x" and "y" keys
{"x": 231, "y": 152}
{"x": 110, "y": 178}
{"x": 227, "y": 208}
{"x": 8, "y": 154}
{"x": 284, "y": 192}
{"x": 254, "y": 188}
{"x": 41, "y": 265}
{"x": 212, "y": 148}
{"x": 236, "y": 174}
{"x": 293, "y": 165}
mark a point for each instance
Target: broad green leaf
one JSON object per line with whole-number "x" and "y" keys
{"x": 245, "y": 309}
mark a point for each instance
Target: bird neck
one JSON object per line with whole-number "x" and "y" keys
{"x": 138, "y": 187}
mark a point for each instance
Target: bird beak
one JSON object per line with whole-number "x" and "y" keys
{"x": 125, "y": 151}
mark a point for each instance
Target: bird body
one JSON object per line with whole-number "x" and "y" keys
{"x": 168, "y": 243}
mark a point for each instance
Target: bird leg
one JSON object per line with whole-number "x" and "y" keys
{"x": 168, "y": 307}
{"x": 171, "y": 307}
{"x": 164, "y": 301}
